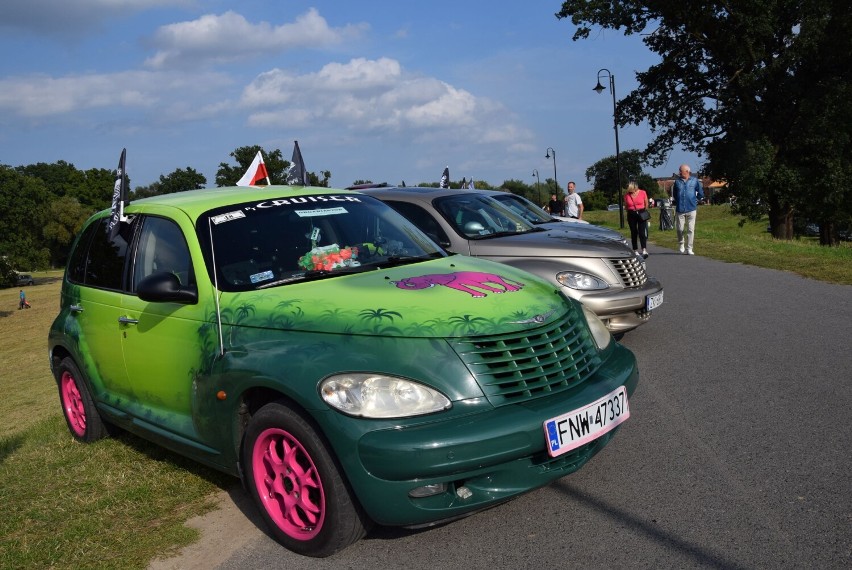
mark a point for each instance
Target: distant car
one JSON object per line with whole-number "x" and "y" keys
{"x": 612, "y": 208}
{"x": 601, "y": 272}
{"x": 25, "y": 279}
{"x": 318, "y": 345}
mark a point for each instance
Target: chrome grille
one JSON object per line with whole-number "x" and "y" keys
{"x": 630, "y": 270}
{"x": 531, "y": 364}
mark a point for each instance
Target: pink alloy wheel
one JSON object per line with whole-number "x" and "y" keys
{"x": 73, "y": 404}
{"x": 288, "y": 484}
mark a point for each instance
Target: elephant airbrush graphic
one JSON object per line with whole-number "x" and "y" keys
{"x": 466, "y": 281}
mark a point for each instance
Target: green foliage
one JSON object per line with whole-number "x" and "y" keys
{"x": 65, "y": 218}
{"x": 595, "y": 200}
{"x": 92, "y": 188}
{"x": 276, "y": 167}
{"x": 604, "y": 175}
{"x": 766, "y": 81}
{"x": 8, "y": 275}
{"x": 24, "y": 203}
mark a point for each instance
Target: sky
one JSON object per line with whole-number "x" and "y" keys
{"x": 385, "y": 91}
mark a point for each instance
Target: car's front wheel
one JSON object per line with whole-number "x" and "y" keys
{"x": 81, "y": 415}
{"x": 298, "y": 485}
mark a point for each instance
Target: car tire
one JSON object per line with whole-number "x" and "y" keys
{"x": 298, "y": 485}
{"x": 78, "y": 407}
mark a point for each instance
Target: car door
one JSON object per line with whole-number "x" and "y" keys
{"x": 93, "y": 305}
{"x": 162, "y": 341}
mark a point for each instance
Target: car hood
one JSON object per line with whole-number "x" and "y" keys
{"x": 563, "y": 242}
{"x": 449, "y": 297}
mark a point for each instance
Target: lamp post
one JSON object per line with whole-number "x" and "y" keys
{"x": 547, "y": 155}
{"x": 599, "y": 88}
{"x": 537, "y": 185}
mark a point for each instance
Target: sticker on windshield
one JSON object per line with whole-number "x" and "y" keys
{"x": 321, "y": 212}
{"x": 263, "y": 276}
{"x": 230, "y": 216}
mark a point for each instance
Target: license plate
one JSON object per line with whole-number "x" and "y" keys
{"x": 654, "y": 301}
{"x": 578, "y": 427}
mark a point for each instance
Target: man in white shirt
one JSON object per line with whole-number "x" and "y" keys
{"x": 573, "y": 203}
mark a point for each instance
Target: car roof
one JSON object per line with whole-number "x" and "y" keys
{"x": 196, "y": 202}
{"x": 424, "y": 192}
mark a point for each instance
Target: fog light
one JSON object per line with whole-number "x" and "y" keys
{"x": 427, "y": 490}
{"x": 464, "y": 493}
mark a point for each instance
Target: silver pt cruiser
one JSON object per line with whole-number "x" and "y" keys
{"x": 594, "y": 267}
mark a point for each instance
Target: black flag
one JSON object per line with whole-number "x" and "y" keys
{"x": 119, "y": 198}
{"x": 296, "y": 174}
{"x": 463, "y": 183}
{"x": 445, "y": 178}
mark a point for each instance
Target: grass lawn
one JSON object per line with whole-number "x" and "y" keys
{"x": 117, "y": 503}
{"x": 120, "y": 502}
{"x": 722, "y": 236}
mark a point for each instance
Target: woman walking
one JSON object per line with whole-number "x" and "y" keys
{"x": 636, "y": 204}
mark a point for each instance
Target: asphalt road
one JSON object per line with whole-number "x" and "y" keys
{"x": 738, "y": 452}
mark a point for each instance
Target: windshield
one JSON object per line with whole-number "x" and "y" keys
{"x": 289, "y": 239}
{"x": 523, "y": 207}
{"x": 479, "y": 217}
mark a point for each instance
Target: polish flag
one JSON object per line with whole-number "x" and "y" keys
{"x": 255, "y": 172}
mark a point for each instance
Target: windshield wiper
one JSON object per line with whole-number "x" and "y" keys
{"x": 396, "y": 260}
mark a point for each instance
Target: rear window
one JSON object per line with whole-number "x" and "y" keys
{"x": 96, "y": 261}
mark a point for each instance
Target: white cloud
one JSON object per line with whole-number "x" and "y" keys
{"x": 38, "y": 96}
{"x": 229, "y": 37}
{"x": 376, "y": 96}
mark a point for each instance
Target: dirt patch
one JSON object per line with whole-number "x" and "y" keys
{"x": 231, "y": 526}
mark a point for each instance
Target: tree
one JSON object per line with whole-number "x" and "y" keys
{"x": 605, "y": 177}
{"x": 24, "y": 201}
{"x": 276, "y": 167}
{"x": 92, "y": 188}
{"x": 65, "y": 218}
{"x": 761, "y": 87}
{"x": 181, "y": 180}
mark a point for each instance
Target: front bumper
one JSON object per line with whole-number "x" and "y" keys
{"x": 494, "y": 455}
{"x": 621, "y": 310}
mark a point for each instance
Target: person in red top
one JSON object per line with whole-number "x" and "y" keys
{"x": 636, "y": 202}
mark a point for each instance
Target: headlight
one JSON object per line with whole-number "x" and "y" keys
{"x": 581, "y": 281}
{"x": 599, "y": 331}
{"x": 379, "y": 396}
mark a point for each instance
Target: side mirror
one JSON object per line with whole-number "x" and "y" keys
{"x": 166, "y": 288}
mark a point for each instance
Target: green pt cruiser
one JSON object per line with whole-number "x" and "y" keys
{"x": 317, "y": 345}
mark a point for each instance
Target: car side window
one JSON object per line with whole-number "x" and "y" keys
{"x": 162, "y": 247}
{"x": 424, "y": 221}
{"x": 104, "y": 267}
{"x": 76, "y": 270}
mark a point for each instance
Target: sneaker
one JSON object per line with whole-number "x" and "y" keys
{"x": 689, "y": 252}
{"x": 681, "y": 248}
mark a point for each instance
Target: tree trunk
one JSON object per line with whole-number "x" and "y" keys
{"x": 827, "y": 233}
{"x": 781, "y": 222}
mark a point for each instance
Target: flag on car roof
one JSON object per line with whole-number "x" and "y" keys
{"x": 255, "y": 173}
{"x": 470, "y": 185}
{"x": 296, "y": 174}
{"x": 463, "y": 183}
{"x": 119, "y": 197}
{"x": 445, "y": 178}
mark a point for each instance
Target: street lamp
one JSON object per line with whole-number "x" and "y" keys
{"x": 537, "y": 185}
{"x": 547, "y": 155}
{"x": 599, "y": 88}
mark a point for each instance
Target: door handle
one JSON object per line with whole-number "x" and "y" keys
{"x": 127, "y": 320}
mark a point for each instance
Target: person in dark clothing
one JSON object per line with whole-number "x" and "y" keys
{"x": 555, "y": 206}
